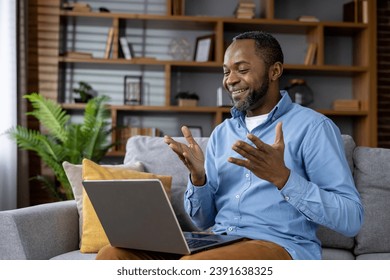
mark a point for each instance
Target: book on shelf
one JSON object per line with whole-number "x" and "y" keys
{"x": 110, "y": 39}
{"x": 126, "y": 47}
{"x": 310, "y": 54}
{"x": 346, "y": 105}
{"x": 356, "y": 11}
{"x": 178, "y": 7}
{"x": 308, "y": 19}
{"x": 247, "y": 3}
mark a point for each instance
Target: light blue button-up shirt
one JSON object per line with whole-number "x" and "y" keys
{"x": 320, "y": 189}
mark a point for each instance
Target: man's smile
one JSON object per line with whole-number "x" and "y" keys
{"x": 236, "y": 93}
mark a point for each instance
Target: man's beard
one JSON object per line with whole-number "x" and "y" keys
{"x": 252, "y": 100}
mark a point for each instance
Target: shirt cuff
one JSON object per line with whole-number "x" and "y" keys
{"x": 294, "y": 189}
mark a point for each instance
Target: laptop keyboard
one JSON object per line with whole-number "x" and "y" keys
{"x": 196, "y": 243}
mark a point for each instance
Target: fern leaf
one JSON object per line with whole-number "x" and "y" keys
{"x": 50, "y": 114}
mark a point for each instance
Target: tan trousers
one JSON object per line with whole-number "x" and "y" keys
{"x": 243, "y": 250}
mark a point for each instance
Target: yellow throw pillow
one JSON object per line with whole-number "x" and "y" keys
{"x": 93, "y": 236}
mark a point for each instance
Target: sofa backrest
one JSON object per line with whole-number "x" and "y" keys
{"x": 30, "y": 232}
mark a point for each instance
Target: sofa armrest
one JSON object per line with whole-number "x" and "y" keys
{"x": 39, "y": 232}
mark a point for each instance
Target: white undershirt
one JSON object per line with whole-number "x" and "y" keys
{"x": 252, "y": 122}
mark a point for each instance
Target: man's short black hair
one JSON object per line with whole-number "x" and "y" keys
{"x": 267, "y": 47}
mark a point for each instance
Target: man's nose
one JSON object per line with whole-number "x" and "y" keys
{"x": 232, "y": 79}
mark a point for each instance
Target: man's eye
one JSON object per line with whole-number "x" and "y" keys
{"x": 243, "y": 70}
{"x": 225, "y": 73}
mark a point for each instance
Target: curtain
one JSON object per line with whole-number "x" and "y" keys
{"x": 8, "y": 104}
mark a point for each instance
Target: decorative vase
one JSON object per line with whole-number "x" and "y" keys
{"x": 300, "y": 92}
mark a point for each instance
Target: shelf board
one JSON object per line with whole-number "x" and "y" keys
{"x": 142, "y": 108}
{"x": 197, "y": 109}
{"x": 329, "y": 112}
{"x": 320, "y": 69}
{"x": 170, "y": 109}
{"x": 138, "y": 61}
{"x": 231, "y": 24}
{"x": 326, "y": 69}
{"x": 116, "y": 153}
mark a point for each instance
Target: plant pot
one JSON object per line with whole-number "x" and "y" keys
{"x": 80, "y": 100}
{"x": 188, "y": 102}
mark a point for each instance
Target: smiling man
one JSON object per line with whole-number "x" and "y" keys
{"x": 272, "y": 172}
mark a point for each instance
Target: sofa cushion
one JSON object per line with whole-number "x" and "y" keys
{"x": 332, "y": 239}
{"x": 158, "y": 158}
{"x": 337, "y": 254}
{"x": 93, "y": 235}
{"x": 372, "y": 178}
{"x": 75, "y": 178}
{"x": 375, "y": 256}
{"x": 75, "y": 255}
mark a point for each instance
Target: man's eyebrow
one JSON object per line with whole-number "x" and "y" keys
{"x": 238, "y": 63}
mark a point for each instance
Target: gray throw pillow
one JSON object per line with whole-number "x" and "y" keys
{"x": 372, "y": 178}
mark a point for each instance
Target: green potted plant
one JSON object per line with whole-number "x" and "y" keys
{"x": 185, "y": 98}
{"x": 85, "y": 92}
{"x": 64, "y": 140}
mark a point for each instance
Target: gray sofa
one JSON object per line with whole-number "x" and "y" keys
{"x": 51, "y": 231}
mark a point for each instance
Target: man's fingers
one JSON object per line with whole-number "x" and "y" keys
{"x": 188, "y": 135}
{"x": 237, "y": 161}
{"x": 279, "y": 139}
{"x": 260, "y": 145}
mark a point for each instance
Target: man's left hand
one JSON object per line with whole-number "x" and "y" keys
{"x": 265, "y": 161}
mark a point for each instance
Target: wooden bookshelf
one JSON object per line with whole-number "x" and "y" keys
{"x": 361, "y": 72}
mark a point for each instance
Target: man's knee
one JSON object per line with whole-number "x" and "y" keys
{"x": 112, "y": 253}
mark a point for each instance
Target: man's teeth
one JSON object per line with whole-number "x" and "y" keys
{"x": 239, "y": 91}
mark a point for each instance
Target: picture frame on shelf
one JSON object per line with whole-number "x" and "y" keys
{"x": 196, "y": 131}
{"x": 204, "y": 47}
{"x": 133, "y": 90}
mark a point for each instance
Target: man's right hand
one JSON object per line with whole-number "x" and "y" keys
{"x": 191, "y": 155}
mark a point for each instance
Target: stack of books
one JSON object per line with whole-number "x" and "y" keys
{"x": 346, "y": 105}
{"x": 245, "y": 9}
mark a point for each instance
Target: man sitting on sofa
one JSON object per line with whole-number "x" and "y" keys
{"x": 272, "y": 173}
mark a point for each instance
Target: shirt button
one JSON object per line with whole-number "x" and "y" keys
{"x": 230, "y": 228}
{"x": 287, "y": 198}
{"x": 237, "y": 196}
{"x": 247, "y": 175}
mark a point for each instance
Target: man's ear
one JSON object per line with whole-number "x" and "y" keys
{"x": 275, "y": 71}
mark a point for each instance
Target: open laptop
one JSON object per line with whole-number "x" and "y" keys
{"x": 137, "y": 214}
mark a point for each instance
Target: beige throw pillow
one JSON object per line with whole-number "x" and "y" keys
{"x": 93, "y": 236}
{"x": 74, "y": 172}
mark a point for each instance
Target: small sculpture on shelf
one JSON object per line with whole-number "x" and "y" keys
{"x": 180, "y": 49}
{"x": 85, "y": 92}
{"x": 185, "y": 98}
{"x": 300, "y": 92}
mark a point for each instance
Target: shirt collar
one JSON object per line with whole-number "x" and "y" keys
{"x": 283, "y": 106}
